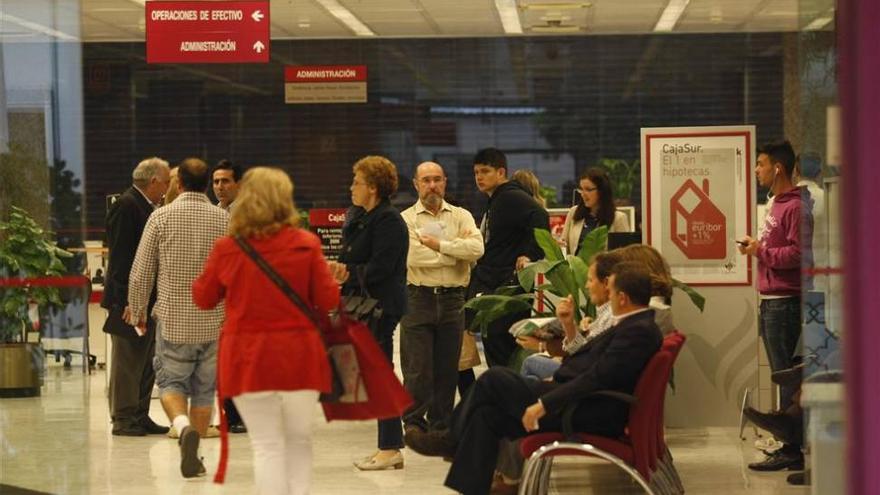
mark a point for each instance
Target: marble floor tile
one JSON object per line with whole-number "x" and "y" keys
{"x": 60, "y": 443}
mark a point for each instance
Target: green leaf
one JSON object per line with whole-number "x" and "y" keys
{"x": 580, "y": 270}
{"x": 527, "y": 275}
{"x": 548, "y": 244}
{"x": 696, "y": 298}
{"x": 594, "y": 243}
{"x": 491, "y": 307}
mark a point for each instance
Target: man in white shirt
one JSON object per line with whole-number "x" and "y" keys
{"x": 444, "y": 241}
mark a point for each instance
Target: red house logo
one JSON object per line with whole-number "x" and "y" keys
{"x": 699, "y": 228}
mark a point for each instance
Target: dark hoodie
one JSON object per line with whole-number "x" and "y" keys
{"x": 785, "y": 244}
{"x": 508, "y": 232}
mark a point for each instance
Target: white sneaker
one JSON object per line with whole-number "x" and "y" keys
{"x": 768, "y": 444}
{"x": 213, "y": 432}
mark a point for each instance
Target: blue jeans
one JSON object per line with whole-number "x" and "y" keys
{"x": 539, "y": 367}
{"x": 780, "y": 328}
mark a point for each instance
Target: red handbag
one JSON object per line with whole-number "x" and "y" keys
{"x": 385, "y": 397}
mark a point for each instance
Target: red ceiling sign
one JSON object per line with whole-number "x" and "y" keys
{"x": 207, "y": 32}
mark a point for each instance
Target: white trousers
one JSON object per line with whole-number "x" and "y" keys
{"x": 279, "y": 425}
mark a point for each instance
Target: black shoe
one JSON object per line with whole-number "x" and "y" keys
{"x": 799, "y": 479}
{"x": 434, "y": 444}
{"x": 129, "y": 431}
{"x": 784, "y": 458}
{"x": 783, "y": 426}
{"x": 190, "y": 464}
{"x": 414, "y": 427}
{"x": 152, "y": 428}
{"x": 238, "y": 428}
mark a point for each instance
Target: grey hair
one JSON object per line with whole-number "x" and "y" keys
{"x": 147, "y": 169}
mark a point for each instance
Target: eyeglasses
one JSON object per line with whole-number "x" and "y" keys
{"x": 358, "y": 183}
{"x": 587, "y": 189}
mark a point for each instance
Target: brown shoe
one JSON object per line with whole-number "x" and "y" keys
{"x": 433, "y": 444}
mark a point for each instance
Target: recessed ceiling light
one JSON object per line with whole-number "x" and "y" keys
{"x": 669, "y": 18}
{"x": 821, "y": 21}
{"x": 346, "y": 16}
{"x": 556, "y": 6}
{"x": 509, "y": 15}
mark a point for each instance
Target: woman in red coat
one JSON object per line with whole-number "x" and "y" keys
{"x": 272, "y": 360}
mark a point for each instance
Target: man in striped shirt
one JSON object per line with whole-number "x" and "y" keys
{"x": 172, "y": 252}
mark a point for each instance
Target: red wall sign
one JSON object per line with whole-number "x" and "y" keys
{"x": 325, "y": 73}
{"x": 207, "y": 32}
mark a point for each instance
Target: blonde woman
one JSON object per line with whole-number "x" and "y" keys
{"x": 530, "y": 182}
{"x": 272, "y": 361}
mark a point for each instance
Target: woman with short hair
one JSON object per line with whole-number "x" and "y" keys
{"x": 375, "y": 242}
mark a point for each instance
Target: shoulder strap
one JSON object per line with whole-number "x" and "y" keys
{"x": 276, "y": 278}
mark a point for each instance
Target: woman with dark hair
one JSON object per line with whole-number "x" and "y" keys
{"x": 596, "y": 208}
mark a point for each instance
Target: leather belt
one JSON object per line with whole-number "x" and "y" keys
{"x": 436, "y": 290}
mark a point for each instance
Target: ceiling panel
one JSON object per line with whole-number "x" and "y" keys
{"x": 122, "y": 20}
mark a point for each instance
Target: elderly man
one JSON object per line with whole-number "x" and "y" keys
{"x": 172, "y": 252}
{"x": 443, "y": 242}
{"x": 131, "y": 370}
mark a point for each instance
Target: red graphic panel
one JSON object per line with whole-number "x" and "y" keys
{"x": 699, "y": 229}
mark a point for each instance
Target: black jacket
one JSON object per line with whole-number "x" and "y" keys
{"x": 613, "y": 361}
{"x": 125, "y": 223}
{"x": 375, "y": 244}
{"x": 508, "y": 233}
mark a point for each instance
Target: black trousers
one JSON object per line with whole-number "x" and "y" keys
{"x": 131, "y": 378}
{"x": 493, "y": 410}
{"x": 430, "y": 344}
{"x": 390, "y": 431}
{"x": 499, "y": 345}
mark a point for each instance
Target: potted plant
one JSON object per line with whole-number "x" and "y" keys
{"x": 25, "y": 252}
{"x": 623, "y": 175}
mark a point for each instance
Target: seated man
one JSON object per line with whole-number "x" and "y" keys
{"x": 503, "y": 404}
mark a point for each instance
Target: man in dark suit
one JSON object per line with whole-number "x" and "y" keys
{"x": 131, "y": 370}
{"x": 503, "y": 404}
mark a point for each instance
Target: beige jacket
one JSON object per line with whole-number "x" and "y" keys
{"x": 571, "y": 232}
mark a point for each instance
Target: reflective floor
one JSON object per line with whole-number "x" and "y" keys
{"x": 61, "y": 443}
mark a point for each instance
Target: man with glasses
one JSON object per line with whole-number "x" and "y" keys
{"x": 443, "y": 242}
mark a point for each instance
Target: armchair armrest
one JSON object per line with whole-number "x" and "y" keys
{"x": 568, "y": 411}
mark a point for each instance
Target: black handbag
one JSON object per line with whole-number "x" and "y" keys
{"x": 339, "y": 388}
{"x": 362, "y": 306}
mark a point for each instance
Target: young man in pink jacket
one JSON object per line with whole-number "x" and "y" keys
{"x": 782, "y": 249}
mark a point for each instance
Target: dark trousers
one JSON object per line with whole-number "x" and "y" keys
{"x": 493, "y": 410}
{"x": 232, "y": 415}
{"x": 131, "y": 378}
{"x": 780, "y": 328}
{"x": 430, "y": 345}
{"x": 499, "y": 345}
{"x": 390, "y": 430}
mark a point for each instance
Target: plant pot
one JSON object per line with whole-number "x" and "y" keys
{"x": 19, "y": 370}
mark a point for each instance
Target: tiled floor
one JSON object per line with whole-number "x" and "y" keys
{"x": 61, "y": 443}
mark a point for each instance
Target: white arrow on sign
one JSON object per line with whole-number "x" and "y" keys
{"x": 257, "y": 15}
{"x": 259, "y": 46}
